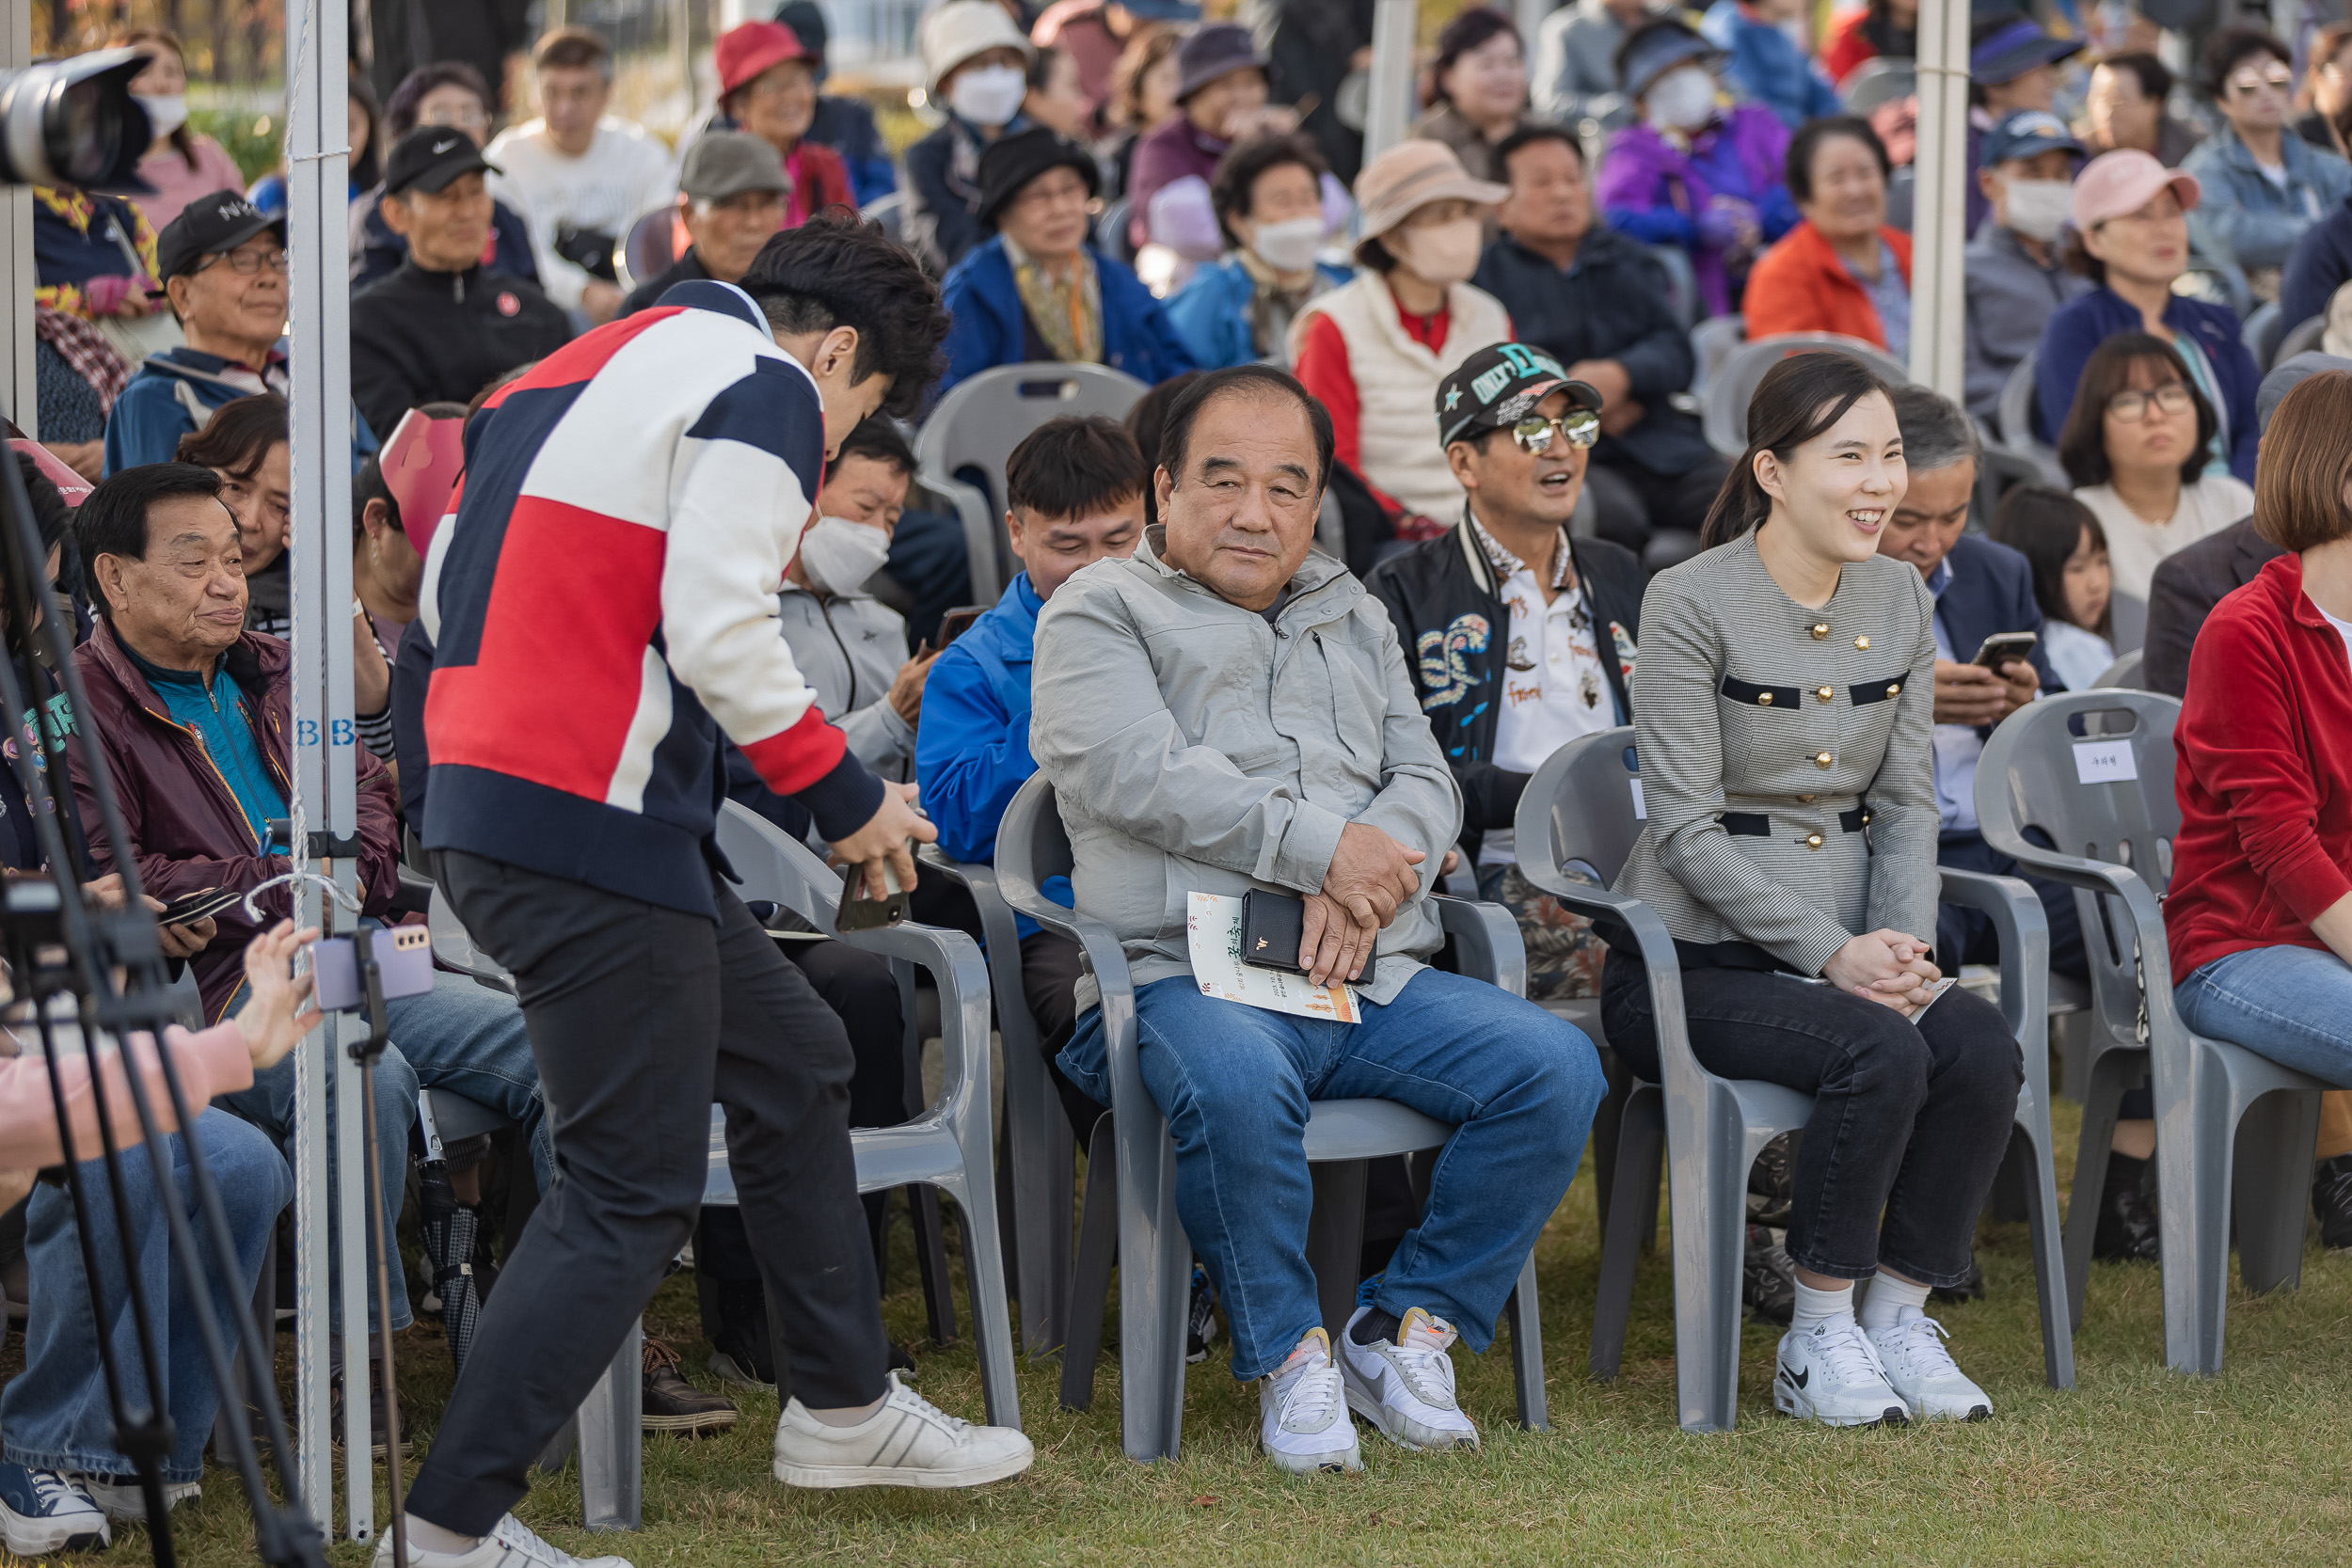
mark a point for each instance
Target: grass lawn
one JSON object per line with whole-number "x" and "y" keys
{"x": 2134, "y": 1466}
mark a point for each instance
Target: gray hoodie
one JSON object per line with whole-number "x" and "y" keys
{"x": 1195, "y": 748}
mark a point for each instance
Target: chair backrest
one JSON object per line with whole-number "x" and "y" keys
{"x": 977, "y": 424}
{"x": 1712, "y": 342}
{"x": 647, "y": 251}
{"x": 1682, "y": 282}
{"x": 1901, "y": 188}
{"x": 2015, "y": 418}
{"x": 2261, "y": 332}
{"x": 1582, "y": 808}
{"x": 2300, "y": 339}
{"x": 1729, "y": 392}
{"x": 2069, "y": 766}
{"x": 1883, "y": 80}
{"x": 2123, "y": 674}
{"x": 889, "y": 210}
{"x": 2127, "y": 621}
{"x": 774, "y": 865}
{"x": 1032, "y": 846}
{"x": 2216, "y": 282}
{"x": 1110, "y": 231}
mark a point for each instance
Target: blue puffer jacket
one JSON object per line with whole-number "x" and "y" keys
{"x": 991, "y": 328}
{"x": 2081, "y": 327}
{"x": 1212, "y": 312}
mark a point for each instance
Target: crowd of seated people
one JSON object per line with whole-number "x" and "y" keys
{"x": 1518, "y": 268}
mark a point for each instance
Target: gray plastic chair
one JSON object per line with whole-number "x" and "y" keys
{"x": 1682, "y": 282}
{"x": 2229, "y": 1123}
{"x": 1713, "y": 342}
{"x": 2015, "y": 422}
{"x": 889, "y": 210}
{"x": 2125, "y": 672}
{"x": 1583, "y": 808}
{"x": 978, "y": 423}
{"x": 1874, "y": 82}
{"x": 2300, "y": 339}
{"x": 2260, "y": 333}
{"x": 2127, "y": 622}
{"x": 1042, "y": 1150}
{"x": 949, "y": 1146}
{"x": 1729, "y": 390}
{"x": 1132, "y": 1152}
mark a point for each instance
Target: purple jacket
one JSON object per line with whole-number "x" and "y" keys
{"x": 1176, "y": 148}
{"x": 1657, "y": 193}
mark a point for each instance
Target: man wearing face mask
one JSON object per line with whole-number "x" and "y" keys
{"x": 1269, "y": 205}
{"x": 2017, "y": 278}
{"x": 977, "y": 63}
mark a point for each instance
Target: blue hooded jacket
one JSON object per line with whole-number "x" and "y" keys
{"x": 990, "y": 327}
{"x": 1766, "y": 66}
{"x": 1212, "y": 312}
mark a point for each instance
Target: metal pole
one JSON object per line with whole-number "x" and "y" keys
{"x": 16, "y": 248}
{"x": 1391, "y": 110}
{"x": 1939, "y": 199}
{"x": 325, "y": 810}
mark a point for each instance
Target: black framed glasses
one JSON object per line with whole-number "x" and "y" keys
{"x": 2170, "y": 398}
{"x": 1582, "y": 427}
{"x": 244, "y": 263}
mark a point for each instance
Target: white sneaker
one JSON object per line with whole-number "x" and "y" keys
{"x": 908, "y": 1442}
{"x": 1921, "y": 1370}
{"x": 119, "y": 1498}
{"x": 509, "y": 1544}
{"x": 1404, "y": 1387}
{"x": 1302, "y": 1412}
{"x": 1833, "y": 1376}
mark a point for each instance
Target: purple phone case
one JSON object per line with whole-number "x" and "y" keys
{"x": 403, "y": 956}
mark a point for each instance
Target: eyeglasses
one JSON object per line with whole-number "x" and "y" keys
{"x": 1582, "y": 427}
{"x": 2170, "y": 398}
{"x": 474, "y": 118}
{"x": 244, "y": 263}
{"x": 2278, "y": 79}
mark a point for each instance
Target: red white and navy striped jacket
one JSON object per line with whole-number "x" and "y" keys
{"x": 602, "y": 604}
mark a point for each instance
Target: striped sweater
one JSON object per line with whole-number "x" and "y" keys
{"x": 602, "y": 604}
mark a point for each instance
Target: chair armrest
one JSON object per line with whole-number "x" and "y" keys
{"x": 1001, "y": 943}
{"x": 1103, "y": 958}
{"x": 2023, "y": 929}
{"x": 2126, "y": 885}
{"x": 1486, "y": 941}
{"x": 415, "y": 893}
{"x": 954, "y": 961}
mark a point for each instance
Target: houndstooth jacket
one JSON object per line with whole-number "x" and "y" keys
{"x": 1786, "y": 762}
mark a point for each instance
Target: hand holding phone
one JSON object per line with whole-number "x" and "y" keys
{"x": 1998, "y": 650}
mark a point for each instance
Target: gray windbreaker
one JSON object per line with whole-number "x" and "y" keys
{"x": 1194, "y": 748}
{"x": 849, "y": 647}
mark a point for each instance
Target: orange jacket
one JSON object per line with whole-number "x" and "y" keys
{"x": 1801, "y": 286}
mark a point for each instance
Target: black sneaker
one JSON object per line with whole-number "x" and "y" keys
{"x": 2127, "y": 1221}
{"x": 2331, "y": 1200}
{"x": 376, "y": 1424}
{"x": 1200, "y": 1321}
{"x": 669, "y": 1403}
{"x": 1768, "y": 1279}
{"x": 741, "y": 1352}
{"x": 1970, "y": 1288}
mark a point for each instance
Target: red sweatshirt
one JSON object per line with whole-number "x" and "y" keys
{"x": 2264, "y": 775}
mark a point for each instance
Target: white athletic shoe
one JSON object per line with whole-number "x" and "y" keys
{"x": 119, "y": 1498}
{"x": 1833, "y": 1376}
{"x": 1404, "y": 1386}
{"x": 45, "y": 1511}
{"x": 507, "y": 1546}
{"x": 908, "y": 1442}
{"x": 1921, "y": 1370}
{"x": 1302, "y": 1412}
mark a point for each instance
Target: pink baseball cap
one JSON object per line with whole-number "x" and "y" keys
{"x": 2124, "y": 180}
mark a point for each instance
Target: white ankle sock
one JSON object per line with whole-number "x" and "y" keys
{"x": 848, "y": 1416}
{"x": 1816, "y": 1308}
{"x": 425, "y": 1535}
{"x": 1882, "y": 1308}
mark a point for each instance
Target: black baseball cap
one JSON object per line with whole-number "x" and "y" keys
{"x": 430, "y": 156}
{"x": 212, "y": 226}
{"x": 1500, "y": 384}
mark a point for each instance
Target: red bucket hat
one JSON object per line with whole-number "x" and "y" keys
{"x": 746, "y": 50}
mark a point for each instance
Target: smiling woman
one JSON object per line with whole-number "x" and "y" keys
{"x": 1842, "y": 269}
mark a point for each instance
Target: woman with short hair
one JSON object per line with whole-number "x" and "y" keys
{"x": 1477, "y": 90}
{"x": 1843, "y": 269}
{"x": 1784, "y": 705}
{"x": 2259, "y": 914}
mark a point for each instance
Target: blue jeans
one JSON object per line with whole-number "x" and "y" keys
{"x": 1235, "y": 1082}
{"x": 55, "y": 1415}
{"x": 2293, "y": 1004}
{"x": 461, "y": 1036}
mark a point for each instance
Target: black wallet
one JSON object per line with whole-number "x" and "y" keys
{"x": 1272, "y": 927}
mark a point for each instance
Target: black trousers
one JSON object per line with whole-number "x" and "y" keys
{"x": 639, "y": 1018}
{"x": 1909, "y": 1120}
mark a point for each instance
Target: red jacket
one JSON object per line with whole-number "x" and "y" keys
{"x": 2264, "y": 776}
{"x": 183, "y": 821}
{"x": 1801, "y": 286}
{"x": 820, "y": 179}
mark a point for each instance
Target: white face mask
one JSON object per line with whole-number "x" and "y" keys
{"x": 1443, "y": 253}
{"x": 1683, "y": 101}
{"x": 165, "y": 113}
{"x": 1289, "y": 246}
{"x": 838, "y": 555}
{"x": 2038, "y": 209}
{"x": 988, "y": 95}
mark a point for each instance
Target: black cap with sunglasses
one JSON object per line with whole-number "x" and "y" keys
{"x": 1498, "y": 389}
{"x": 212, "y": 224}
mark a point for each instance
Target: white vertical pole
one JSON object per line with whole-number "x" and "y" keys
{"x": 16, "y": 249}
{"x": 1391, "y": 110}
{"x": 319, "y": 549}
{"x": 1940, "y": 199}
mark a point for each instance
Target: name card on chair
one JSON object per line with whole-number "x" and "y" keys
{"x": 2104, "y": 762}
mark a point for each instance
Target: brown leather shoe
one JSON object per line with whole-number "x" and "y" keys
{"x": 673, "y": 1405}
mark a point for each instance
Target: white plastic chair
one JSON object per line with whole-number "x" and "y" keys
{"x": 1581, "y": 809}
{"x": 2230, "y": 1124}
